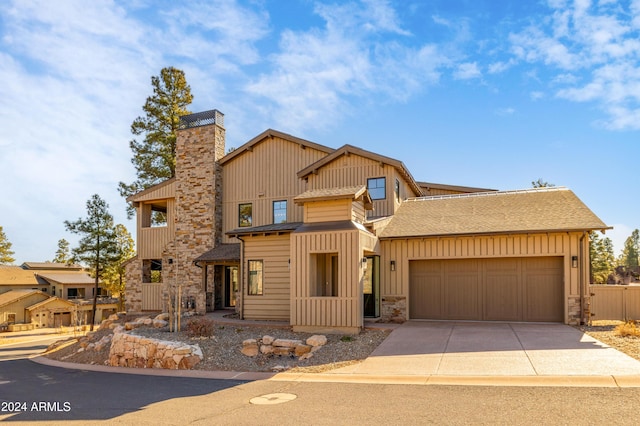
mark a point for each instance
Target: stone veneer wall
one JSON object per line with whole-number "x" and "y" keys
{"x": 133, "y": 293}
{"x": 393, "y": 309}
{"x": 575, "y": 314}
{"x": 198, "y": 209}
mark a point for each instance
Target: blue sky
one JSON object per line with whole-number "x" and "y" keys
{"x": 493, "y": 94}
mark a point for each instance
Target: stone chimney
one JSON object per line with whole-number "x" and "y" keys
{"x": 199, "y": 147}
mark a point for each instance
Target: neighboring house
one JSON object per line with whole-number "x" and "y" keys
{"x": 68, "y": 289}
{"x": 286, "y": 229}
{"x": 14, "y": 304}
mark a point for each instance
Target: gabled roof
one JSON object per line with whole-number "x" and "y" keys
{"x": 16, "y": 295}
{"x": 358, "y": 192}
{"x": 270, "y": 133}
{"x": 535, "y": 210}
{"x": 50, "y": 300}
{"x": 146, "y": 192}
{"x": 350, "y": 149}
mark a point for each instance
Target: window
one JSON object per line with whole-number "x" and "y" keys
{"x": 397, "y": 190}
{"x": 245, "y": 215}
{"x": 154, "y": 214}
{"x": 152, "y": 270}
{"x": 324, "y": 274}
{"x": 255, "y": 277}
{"x": 376, "y": 187}
{"x": 280, "y": 211}
{"x": 75, "y": 293}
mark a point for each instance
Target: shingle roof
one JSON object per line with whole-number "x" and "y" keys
{"x": 533, "y": 210}
{"x": 15, "y": 275}
{"x": 266, "y": 229}
{"x": 324, "y": 194}
{"x": 56, "y": 278}
{"x": 15, "y": 295}
{"x": 221, "y": 253}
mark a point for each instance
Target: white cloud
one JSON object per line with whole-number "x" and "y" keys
{"x": 595, "y": 46}
{"x": 536, "y": 95}
{"x": 505, "y": 111}
{"x": 467, "y": 71}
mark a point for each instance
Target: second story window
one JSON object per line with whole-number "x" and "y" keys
{"x": 245, "y": 215}
{"x": 280, "y": 211}
{"x": 397, "y": 190}
{"x": 377, "y": 188}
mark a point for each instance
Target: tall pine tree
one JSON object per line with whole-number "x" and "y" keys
{"x": 63, "y": 254}
{"x": 97, "y": 247}
{"x": 113, "y": 277}
{"x": 155, "y": 156}
{"x": 631, "y": 251}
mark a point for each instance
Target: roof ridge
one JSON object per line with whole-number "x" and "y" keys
{"x": 491, "y": 193}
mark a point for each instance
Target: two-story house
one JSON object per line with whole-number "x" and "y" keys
{"x": 284, "y": 228}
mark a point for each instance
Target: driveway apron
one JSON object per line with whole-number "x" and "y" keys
{"x": 439, "y": 348}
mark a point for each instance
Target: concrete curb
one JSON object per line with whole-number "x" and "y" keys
{"x": 529, "y": 381}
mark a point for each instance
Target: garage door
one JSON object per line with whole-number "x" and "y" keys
{"x": 514, "y": 289}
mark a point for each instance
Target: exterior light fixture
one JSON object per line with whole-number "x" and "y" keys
{"x": 393, "y": 265}
{"x": 574, "y": 261}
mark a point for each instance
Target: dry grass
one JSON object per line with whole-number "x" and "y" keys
{"x": 628, "y": 329}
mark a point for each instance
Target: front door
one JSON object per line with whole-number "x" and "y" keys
{"x": 230, "y": 285}
{"x": 371, "y": 287}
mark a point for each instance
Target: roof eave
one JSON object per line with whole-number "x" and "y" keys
{"x": 479, "y": 234}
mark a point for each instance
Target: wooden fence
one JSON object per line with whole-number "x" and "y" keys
{"x": 615, "y": 302}
{"x": 151, "y": 296}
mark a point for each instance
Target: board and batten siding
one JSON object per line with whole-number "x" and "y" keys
{"x": 152, "y": 240}
{"x": 273, "y": 251}
{"x": 327, "y": 211}
{"x": 354, "y": 170}
{"x": 396, "y": 283}
{"x": 263, "y": 175}
{"x": 343, "y": 312}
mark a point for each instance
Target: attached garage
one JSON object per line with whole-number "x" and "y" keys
{"x": 506, "y": 289}
{"x": 495, "y": 256}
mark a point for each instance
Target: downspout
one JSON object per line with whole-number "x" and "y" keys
{"x": 583, "y": 320}
{"x": 241, "y": 276}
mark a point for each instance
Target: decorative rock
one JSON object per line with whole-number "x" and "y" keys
{"x": 278, "y": 350}
{"x": 267, "y": 340}
{"x": 307, "y": 356}
{"x": 113, "y": 317}
{"x": 301, "y": 350}
{"x": 279, "y": 368}
{"x": 266, "y": 349}
{"x": 317, "y": 340}
{"x": 163, "y": 316}
{"x": 286, "y": 343}
{"x": 129, "y": 350}
{"x": 159, "y": 323}
{"x": 251, "y": 350}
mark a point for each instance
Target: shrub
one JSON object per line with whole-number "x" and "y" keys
{"x": 199, "y": 327}
{"x": 347, "y": 339}
{"x": 629, "y": 328}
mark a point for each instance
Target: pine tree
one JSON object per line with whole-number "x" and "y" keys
{"x": 97, "y": 246}
{"x": 631, "y": 251}
{"x": 113, "y": 278}
{"x": 602, "y": 258}
{"x": 6, "y": 254}
{"x": 63, "y": 254}
{"x": 155, "y": 157}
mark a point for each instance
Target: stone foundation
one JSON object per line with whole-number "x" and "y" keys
{"x": 574, "y": 313}
{"x": 393, "y": 309}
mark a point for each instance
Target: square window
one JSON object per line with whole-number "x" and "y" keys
{"x": 245, "y": 212}
{"x": 255, "y": 277}
{"x": 377, "y": 188}
{"x": 280, "y": 211}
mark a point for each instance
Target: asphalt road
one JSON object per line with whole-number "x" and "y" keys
{"x": 32, "y": 392}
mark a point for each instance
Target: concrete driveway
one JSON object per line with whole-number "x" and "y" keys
{"x": 468, "y": 349}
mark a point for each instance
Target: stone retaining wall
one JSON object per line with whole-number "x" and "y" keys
{"x": 129, "y": 350}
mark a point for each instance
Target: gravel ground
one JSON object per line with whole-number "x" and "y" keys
{"x": 222, "y": 350}
{"x": 604, "y": 331}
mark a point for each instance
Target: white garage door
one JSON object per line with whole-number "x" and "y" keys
{"x": 506, "y": 289}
